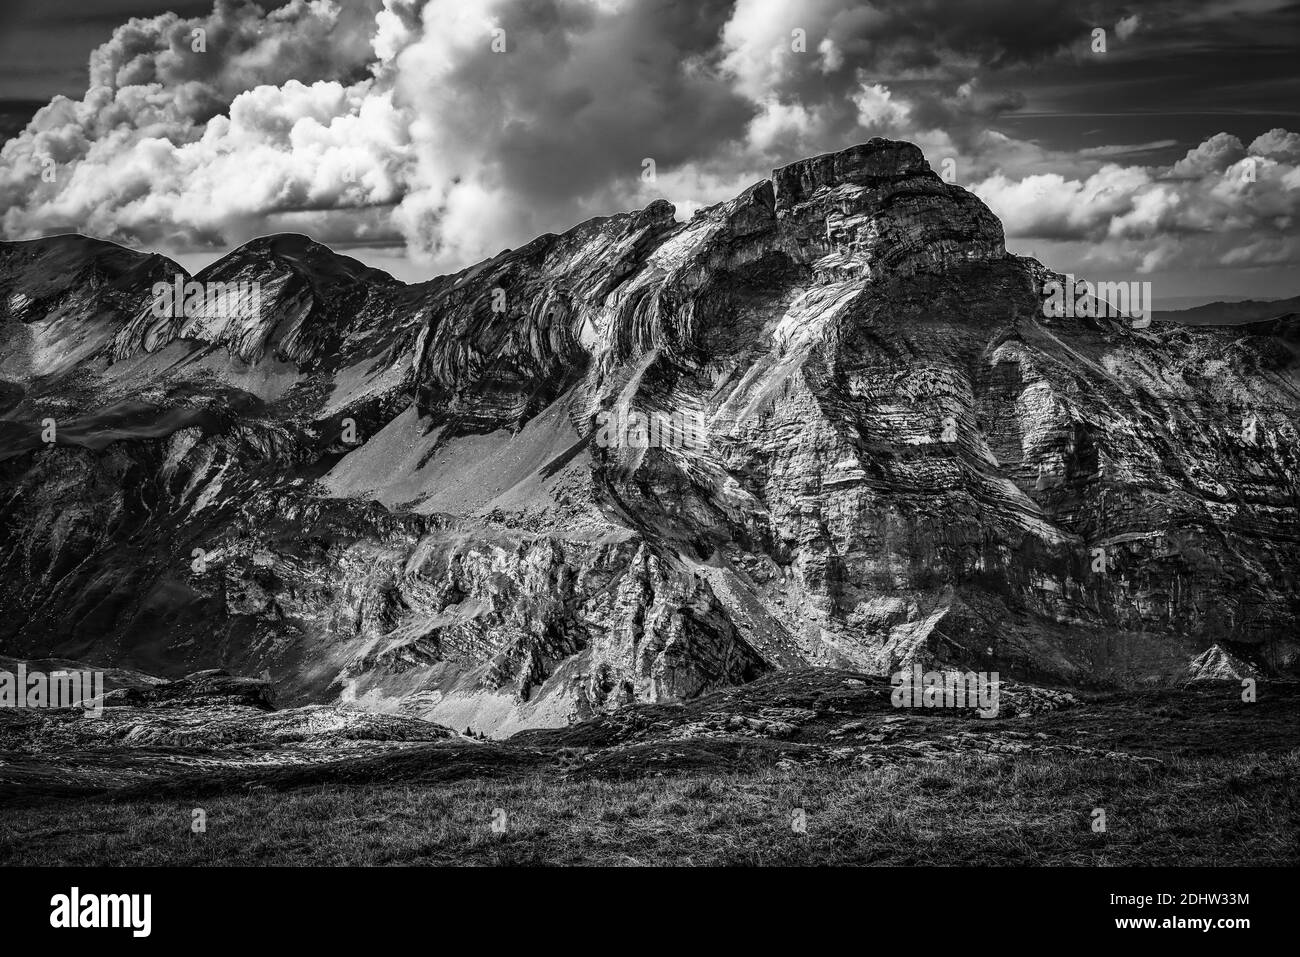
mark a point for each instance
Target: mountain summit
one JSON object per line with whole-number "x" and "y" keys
{"x": 824, "y": 423}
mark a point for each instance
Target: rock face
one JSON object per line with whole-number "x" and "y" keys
{"x": 826, "y": 423}
{"x": 1215, "y": 664}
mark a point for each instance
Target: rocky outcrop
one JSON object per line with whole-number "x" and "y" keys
{"x": 206, "y": 722}
{"x": 1219, "y": 664}
{"x": 412, "y": 498}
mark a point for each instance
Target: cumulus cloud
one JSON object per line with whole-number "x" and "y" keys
{"x": 1277, "y": 144}
{"x": 194, "y": 129}
{"x": 555, "y": 128}
{"x": 1222, "y": 204}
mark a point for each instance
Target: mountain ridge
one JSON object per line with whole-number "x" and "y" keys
{"x": 1231, "y": 313}
{"x": 400, "y": 498}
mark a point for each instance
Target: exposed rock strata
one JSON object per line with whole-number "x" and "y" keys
{"x": 391, "y": 495}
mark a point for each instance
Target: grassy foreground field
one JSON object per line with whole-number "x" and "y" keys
{"x": 963, "y": 811}
{"x": 802, "y": 768}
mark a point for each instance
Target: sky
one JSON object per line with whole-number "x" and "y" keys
{"x": 1157, "y": 141}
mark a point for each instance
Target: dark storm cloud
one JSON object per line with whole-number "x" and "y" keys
{"x": 44, "y": 44}
{"x": 242, "y": 49}
{"x": 580, "y": 98}
{"x": 901, "y": 35}
{"x": 1187, "y": 70}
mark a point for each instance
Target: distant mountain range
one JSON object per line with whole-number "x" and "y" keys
{"x": 1230, "y": 313}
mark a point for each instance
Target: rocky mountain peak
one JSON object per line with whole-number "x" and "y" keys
{"x": 294, "y": 252}
{"x": 874, "y": 162}
{"x": 825, "y": 422}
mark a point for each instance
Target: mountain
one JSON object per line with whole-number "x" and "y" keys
{"x": 1231, "y": 313}
{"x": 824, "y": 423}
{"x": 61, "y": 298}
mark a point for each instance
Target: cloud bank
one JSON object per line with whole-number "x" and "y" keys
{"x": 457, "y": 129}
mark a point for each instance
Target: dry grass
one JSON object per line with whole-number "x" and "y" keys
{"x": 963, "y": 811}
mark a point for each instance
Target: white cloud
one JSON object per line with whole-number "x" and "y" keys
{"x": 1218, "y": 205}
{"x": 877, "y": 108}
